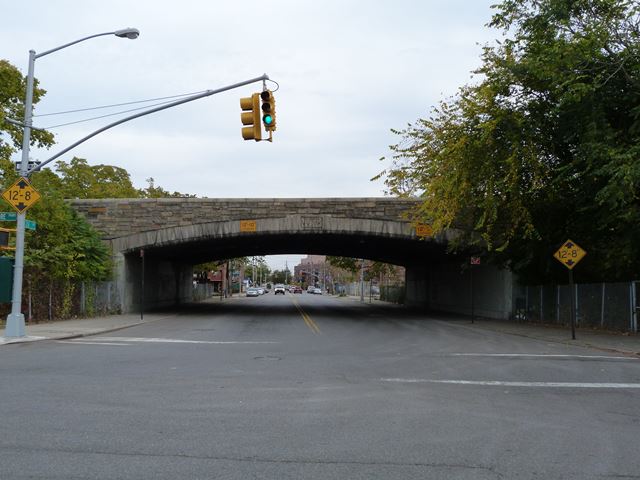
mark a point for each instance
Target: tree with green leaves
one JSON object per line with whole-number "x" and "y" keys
{"x": 544, "y": 147}
{"x": 281, "y": 276}
{"x": 152, "y": 191}
{"x": 12, "y": 93}
{"x": 78, "y": 179}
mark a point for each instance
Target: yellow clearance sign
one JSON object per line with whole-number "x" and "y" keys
{"x": 21, "y": 195}
{"x": 247, "y": 225}
{"x": 569, "y": 254}
{"x": 424, "y": 230}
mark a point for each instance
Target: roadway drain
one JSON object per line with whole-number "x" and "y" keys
{"x": 268, "y": 357}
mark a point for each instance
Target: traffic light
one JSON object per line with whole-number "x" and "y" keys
{"x": 251, "y": 116}
{"x": 4, "y": 238}
{"x": 268, "y": 110}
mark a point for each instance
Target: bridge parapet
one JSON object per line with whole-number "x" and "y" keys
{"x": 116, "y": 218}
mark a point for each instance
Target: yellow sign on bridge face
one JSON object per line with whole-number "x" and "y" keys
{"x": 424, "y": 230}
{"x": 21, "y": 195}
{"x": 569, "y": 254}
{"x": 247, "y": 225}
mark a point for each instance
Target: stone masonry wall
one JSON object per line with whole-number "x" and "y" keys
{"x": 120, "y": 217}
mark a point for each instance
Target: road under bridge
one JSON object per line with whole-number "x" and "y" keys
{"x": 178, "y": 233}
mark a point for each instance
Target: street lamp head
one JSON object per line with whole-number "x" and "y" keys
{"x": 131, "y": 33}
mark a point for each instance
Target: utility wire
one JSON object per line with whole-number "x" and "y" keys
{"x": 118, "y": 105}
{"x": 107, "y": 115}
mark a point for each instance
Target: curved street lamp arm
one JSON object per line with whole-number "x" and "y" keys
{"x": 38, "y": 55}
{"x": 147, "y": 112}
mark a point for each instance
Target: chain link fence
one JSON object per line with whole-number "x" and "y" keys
{"x": 610, "y": 306}
{"x": 55, "y": 300}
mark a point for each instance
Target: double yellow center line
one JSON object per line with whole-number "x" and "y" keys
{"x": 307, "y": 319}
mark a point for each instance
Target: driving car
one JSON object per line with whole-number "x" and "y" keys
{"x": 260, "y": 290}
{"x": 252, "y": 292}
{"x": 297, "y": 289}
{"x": 279, "y": 288}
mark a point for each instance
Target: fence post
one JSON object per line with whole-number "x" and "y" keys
{"x": 82, "y": 299}
{"x": 633, "y": 324}
{"x": 602, "y": 304}
{"x": 575, "y": 293}
{"x": 541, "y": 319}
{"x": 558, "y": 304}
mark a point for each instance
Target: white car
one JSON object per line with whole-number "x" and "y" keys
{"x": 317, "y": 291}
{"x": 252, "y": 292}
{"x": 260, "y": 290}
{"x": 279, "y": 288}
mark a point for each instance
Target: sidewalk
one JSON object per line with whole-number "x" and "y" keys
{"x": 81, "y": 327}
{"x": 625, "y": 343}
{"x": 628, "y": 344}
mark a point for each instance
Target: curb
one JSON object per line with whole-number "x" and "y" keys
{"x": 81, "y": 335}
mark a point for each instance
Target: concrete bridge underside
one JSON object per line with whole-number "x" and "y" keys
{"x": 177, "y": 234}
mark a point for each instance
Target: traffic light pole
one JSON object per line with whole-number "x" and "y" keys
{"x": 15, "y": 327}
{"x": 192, "y": 98}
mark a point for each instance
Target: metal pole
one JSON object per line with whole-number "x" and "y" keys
{"x": 15, "y": 320}
{"x": 362, "y": 281}
{"x": 198, "y": 96}
{"x": 142, "y": 287}
{"x": 473, "y": 311}
{"x": 573, "y": 306}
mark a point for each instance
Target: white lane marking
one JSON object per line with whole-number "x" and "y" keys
{"x": 78, "y": 342}
{"x": 172, "y": 340}
{"x": 535, "y": 355}
{"x": 495, "y": 383}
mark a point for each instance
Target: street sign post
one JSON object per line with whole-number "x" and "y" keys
{"x": 12, "y": 217}
{"x": 570, "y": 254}
{"x": 473, "y": 261}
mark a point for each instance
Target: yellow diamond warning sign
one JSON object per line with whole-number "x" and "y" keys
{"x": 21, "y": 195}
{"x": 569, "y": 254}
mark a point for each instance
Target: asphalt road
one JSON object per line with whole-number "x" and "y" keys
{"x": 314, "y": 387}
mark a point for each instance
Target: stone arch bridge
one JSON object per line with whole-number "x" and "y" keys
{"x": 177, "y": 233}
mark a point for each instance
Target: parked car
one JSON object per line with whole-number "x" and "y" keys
{"x": 279, "y": 288}
{"x": 317, "y": 291}
{"x": 252, "y": 292}
{"x": 260, "y": 290}
{"x": 310, "y": 289}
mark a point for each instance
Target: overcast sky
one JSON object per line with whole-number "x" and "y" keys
{"x": 348, "y": 71}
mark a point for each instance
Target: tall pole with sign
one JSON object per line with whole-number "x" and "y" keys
{"x": 21, "y": 196}
{"x": 569, "y": 254}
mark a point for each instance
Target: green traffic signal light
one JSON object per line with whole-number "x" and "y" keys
{"x": 268, "y": 110}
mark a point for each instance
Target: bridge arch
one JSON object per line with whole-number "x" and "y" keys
{"x": 178, "y": 233}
